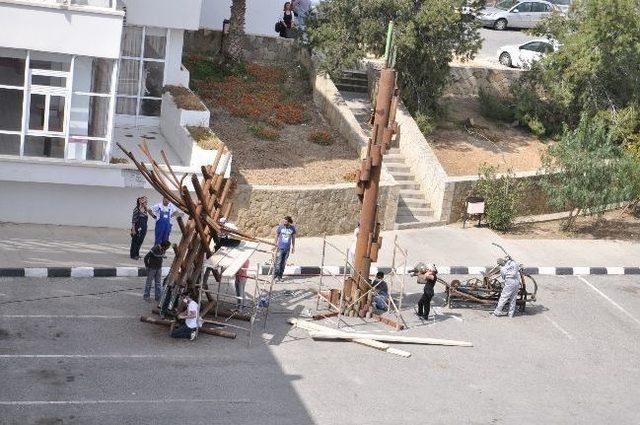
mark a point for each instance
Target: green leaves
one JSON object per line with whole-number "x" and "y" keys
{"x": 503, "y": 196}
{"x": 427, "y": 36}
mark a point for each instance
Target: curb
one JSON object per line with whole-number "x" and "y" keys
{"x": 48, "y": 272}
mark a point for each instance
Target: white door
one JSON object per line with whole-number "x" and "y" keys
{"x": 529, "y": 53}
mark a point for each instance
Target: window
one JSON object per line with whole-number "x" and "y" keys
{"x": 67, "y": 103}
{"x": 141, "y": 71}
{"x": 523, "y": 8}
{"x": 533, "y": 46}
{"x": 539, "y": 7}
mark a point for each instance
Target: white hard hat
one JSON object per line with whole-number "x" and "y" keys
{"x": 432, "y": 267}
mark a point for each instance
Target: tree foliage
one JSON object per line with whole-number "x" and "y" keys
{"x": 587, "y": 171}
{"x": 233, "y": 43}
{"x": 503, "y": 194}
{"x": 428, "y": 34}
{"x": 595, "y": 71}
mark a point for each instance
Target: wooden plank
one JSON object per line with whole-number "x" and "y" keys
{"x": 311, "y": 327}
{"x": 389, "y": 338}
{"x": 231, "y": 259}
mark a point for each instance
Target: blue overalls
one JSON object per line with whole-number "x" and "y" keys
{"x": 163, "y": 226}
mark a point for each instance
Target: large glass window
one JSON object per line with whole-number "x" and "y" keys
{"x": 141, "y": 76}
{"x": 55, "y": 105}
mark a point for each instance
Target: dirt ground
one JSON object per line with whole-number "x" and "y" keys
{"x": 612, "y": 225}
{"x": 291, "y": 160}
{"x": 461, "y": 148}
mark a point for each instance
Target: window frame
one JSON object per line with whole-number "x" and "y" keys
{"x": 140, "y": 60}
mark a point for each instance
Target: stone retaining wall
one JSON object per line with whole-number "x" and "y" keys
{"x": 257, "y": 48}
{"x": 316, "y": 210}
{"x": 467, "y": 80}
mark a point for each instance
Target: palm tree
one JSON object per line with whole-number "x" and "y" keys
{"x": 232, "y": 48}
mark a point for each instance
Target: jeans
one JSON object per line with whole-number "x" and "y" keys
{"x": 136, "y": 242}
{"x": 182, "y": 331}
{"x": 153, "y": 275}
{"x": 424, "y": 305}
{"x": 281, "y": 262}
{"x": 240, "y": 282}
{"x": 380, "y": 302}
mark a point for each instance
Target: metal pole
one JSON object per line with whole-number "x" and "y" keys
{"x": 368, "y": 233}
{"x": 387, "y": 48}
{"x": 324, "y": 247}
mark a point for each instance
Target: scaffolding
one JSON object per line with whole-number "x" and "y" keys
{"x": 360, "y": 305}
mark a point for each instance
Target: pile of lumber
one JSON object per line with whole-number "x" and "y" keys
{"x": 377, "y": 341}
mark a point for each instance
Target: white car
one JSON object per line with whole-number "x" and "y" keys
{"x": 523, "y": 55}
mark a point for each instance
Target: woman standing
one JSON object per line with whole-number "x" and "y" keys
{"x": 139, "y": 226}
{"x": 163, "y": 213}
{"x": 288, "y": 21}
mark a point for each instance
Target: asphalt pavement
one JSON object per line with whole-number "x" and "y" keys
{"x": 81, "y": 356}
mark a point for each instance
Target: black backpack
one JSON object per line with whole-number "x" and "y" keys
{"x": 279, "y": 26}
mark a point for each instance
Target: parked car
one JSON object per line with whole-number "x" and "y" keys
{"x": 563, "y": 5}
{"x": 523, "y": 55}
{"x": 525, "y": 14}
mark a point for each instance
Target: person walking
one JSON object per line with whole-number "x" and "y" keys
{"x": 510, "y": 273}
{"x": 153, "y": 263}
{"x": 190, "y": 316}
{"x": 163, "y": 212}
{"x": 285, "y": 244}
{"x": 139, "y": 220}
{"x": 428, "y": 278}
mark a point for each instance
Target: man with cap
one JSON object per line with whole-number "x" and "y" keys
{"x": 510, "y": 273}
{"x": 427, "y": 276}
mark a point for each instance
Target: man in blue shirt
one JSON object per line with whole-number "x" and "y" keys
{"x": 285, "y": 243}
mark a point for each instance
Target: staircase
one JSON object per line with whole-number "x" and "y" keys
{"x": 414, "y": 212}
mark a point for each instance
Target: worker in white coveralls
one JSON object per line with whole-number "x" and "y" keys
{"x": 510, "y": 272}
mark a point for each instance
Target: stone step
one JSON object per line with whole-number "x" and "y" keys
{"x": 351, "y": 88}
{"x": 416, "y": 213}
{"x": 414, "y": 203}
{"x": 394, "y": 151}
{"x": 391, "y": 158}
{"x": 397, "y": 167}
{"x": 418, "y": 224}
{"x": 355, "y": 73}
{"x": 354, "y": 81}
{"x": 411, "y": 185}
{"x": 403, "y": 176}
{"x": 411, "y": 193}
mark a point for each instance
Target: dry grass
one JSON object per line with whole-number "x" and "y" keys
{"x": 185, "y": 98}
{"x": 205, "y": 138}
{"x": 118, "y": 160}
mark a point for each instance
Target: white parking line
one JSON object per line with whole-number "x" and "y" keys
{"x": 558, "y": 327}
{"x": 100, "y": 356}
{"x": 615, "y": 304}
{"x": 85, "y": 402}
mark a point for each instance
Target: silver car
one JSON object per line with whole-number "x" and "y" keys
{"x": 525, "y": 14}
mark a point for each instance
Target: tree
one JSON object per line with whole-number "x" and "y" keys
{"x": 233, "y": 44}
{"x": 428, "y": 34}
{"x": 594, "y": 71}
{"x": 503, "y": 195}
{"x": 586, "y": 171}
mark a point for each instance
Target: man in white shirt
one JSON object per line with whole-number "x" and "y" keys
{"x": 190, "y": 316}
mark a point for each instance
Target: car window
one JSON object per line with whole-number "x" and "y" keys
{"x": 532, "y": 46}
{"x": 545, "y": 48}
{"x": 506, "y": 4}
{"x": 523, "y": 7}
{"x": 539, "y": 7}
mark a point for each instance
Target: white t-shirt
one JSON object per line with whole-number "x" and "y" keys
{"x": 193, "y": 309}
{"x": 158, "y": 208}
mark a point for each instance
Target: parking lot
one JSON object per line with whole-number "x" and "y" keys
{"x": 572, "y": 358}
{"x": 492, "y": 40}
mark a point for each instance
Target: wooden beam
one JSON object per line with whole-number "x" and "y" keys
{"x": 389, "y": 338}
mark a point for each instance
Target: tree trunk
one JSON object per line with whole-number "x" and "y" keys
{"x": 232, "y": 47}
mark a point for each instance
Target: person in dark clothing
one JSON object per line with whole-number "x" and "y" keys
{"x": 381, "y": 292}
{"x": 428, "y": 278}
{"x": 287, "y": 19}
{"x": 153, "y": 263}
{"x": 139, "y": 226}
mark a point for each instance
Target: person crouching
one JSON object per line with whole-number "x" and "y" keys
{"x": 189, "y": 328}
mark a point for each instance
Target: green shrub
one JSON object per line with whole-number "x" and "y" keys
{"x": 496, "y": 107}
{"x": 426, "y": 123}
{"x": 503, "y": 196}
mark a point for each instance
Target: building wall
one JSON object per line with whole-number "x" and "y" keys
{"x": 179, "y": 14}
{"x": 61, "y": 31}
{"x": 260, "y": 18}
